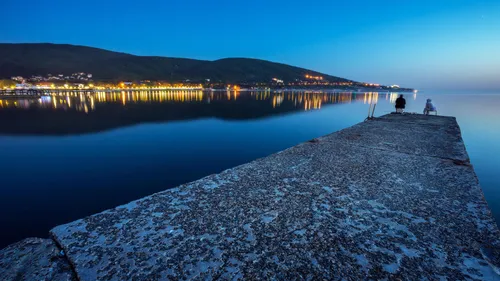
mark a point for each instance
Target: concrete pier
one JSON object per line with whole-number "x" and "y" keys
{"x": 392, "y": 198}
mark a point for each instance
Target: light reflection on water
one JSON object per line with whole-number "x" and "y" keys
{"x": 69, "y": 155}
{"x": 87, "y": 101}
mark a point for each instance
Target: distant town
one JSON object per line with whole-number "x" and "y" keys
{"x": 85, "y": 81}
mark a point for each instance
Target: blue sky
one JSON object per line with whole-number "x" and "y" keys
{"x": 440, "y": 44}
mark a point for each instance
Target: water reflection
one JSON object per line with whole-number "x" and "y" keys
{"x": 48, "y": 181}
{"x": 78, "y": 112}
{"x": 86, "y": 102}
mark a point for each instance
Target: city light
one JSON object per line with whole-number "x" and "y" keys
{"x": 314, "y": 77}
{"x": 311, "y": 81}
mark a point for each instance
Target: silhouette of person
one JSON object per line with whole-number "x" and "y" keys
{"x": 429, "y": 106}
{"x": 400, "y": 104}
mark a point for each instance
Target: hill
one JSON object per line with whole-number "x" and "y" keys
{"x": 42, "y": 59}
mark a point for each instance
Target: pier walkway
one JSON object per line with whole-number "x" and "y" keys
{"x": 392, "y": 198}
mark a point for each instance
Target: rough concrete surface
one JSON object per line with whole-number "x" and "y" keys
{"x": 34, "y": 259}
{"x": 394, "y": 198}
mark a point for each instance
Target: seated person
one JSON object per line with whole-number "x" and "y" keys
{"x": 400, "y": 104}
{"x": 429, "y": 106}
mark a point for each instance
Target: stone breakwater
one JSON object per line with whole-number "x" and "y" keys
{"x": 393, "y": 198}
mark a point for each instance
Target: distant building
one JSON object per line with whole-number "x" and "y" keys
{"x": 44, "y": 85}
{"x": 22, "y": 86}
{"x": 37, "y": 78}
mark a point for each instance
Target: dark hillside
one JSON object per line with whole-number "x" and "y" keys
{"x": 42, "y": 59}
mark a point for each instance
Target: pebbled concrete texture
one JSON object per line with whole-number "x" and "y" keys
{"x": 393, "y": 198}
{"x": 34, "y": 259}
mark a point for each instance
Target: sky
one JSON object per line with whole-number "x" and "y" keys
{"x": 439, "y": 44}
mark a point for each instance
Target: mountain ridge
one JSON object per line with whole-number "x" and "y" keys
{"x": 28, "y": 59}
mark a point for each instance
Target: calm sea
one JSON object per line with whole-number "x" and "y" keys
{"x": 69, "y": 156}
